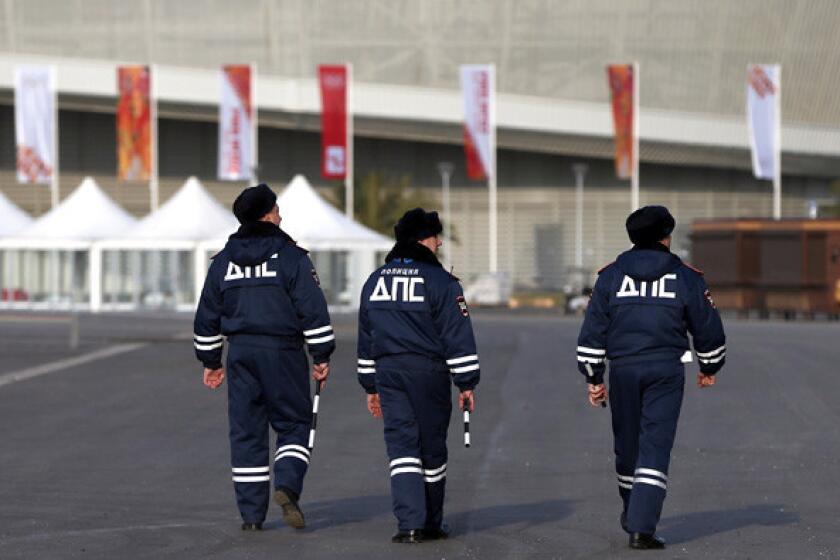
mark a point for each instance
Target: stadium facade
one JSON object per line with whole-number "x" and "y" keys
{"x": 553, "y": 107}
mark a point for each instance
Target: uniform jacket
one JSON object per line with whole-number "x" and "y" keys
{"x": 643, "y": 307}
{"x": 262, "y": 289}
{"x": 411, "y": 305}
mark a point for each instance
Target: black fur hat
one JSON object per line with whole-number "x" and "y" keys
{"x": 253, "y": 203}
{"x": 417, "y": 224}
{"x": 650, "y": 224}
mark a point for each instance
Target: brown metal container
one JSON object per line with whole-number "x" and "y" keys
{"x": 771, "y": 265}
{"x": 728, "y": 253}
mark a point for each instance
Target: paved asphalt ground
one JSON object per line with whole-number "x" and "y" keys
{"x": 126, "y": 455}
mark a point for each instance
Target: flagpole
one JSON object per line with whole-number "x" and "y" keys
{"x": 255, "y": 123}
{"x": 348, "y": 178}
{"x": 154, "y": 189}
{"x": 777, "y": 171}
{"x": 54, "y": 195}
{"x": 491, "y": 180}
{"x": 634, "y": 180}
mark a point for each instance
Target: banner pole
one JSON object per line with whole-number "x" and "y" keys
{"x": 255, "y": 123}
{"x": 348, "y": 178}
{"x": 491, "y": 180}
{"x": 777, "y": 171}
{"x": 153, "y": 179}
{"x": 54, "y": 195}
{"x": 634, "y": 181}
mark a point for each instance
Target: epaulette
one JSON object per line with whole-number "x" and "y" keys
{"x": 605, "y": 267}
{"x": 295, "y": 247}
{"x": 695, "y": 269}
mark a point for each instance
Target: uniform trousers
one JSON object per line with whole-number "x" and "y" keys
{"x": 416, "y": 397}
{"x": 645, "y": 401}
{"x": 267, "y": 386}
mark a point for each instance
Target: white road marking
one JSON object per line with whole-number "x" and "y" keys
{"x": 52, "y": 367}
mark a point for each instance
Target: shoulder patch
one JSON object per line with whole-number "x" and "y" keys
{"x": 605, "y": 267}
{"x": 694, "y": 268}
{"x": 316, "y": 278}
{"x": 462, "y": 305}
{"x": 708, "y": 295}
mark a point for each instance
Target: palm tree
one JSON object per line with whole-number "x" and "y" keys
{"x": 380, "y": 200}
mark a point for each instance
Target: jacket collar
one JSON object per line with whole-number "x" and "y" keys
{"x": 653, "y": 246}
{"x": 414, "y": 251}
{"x": 260, "y": 229}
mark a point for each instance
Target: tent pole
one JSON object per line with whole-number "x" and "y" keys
{"x": 95, "y": 278}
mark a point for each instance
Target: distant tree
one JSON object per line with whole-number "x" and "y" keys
{"x": 380, "y": 200}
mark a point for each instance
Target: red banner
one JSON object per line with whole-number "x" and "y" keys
{"x": 334, "y": 114}
{"x": 621, "y": 86}
{"x": 134, "y": 123}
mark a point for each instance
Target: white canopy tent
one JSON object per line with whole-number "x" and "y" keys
{"x": 12, "y": 220}
{"x": 317, "y": 224}
{"x": 58, "y": 266}
{"x": 344, "y": 251}
{"x": 158, "y": 262}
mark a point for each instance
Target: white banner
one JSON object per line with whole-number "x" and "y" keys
{"x": 478, "y": 84}
{"x": 764, "y": 118}
{"x": 35, "y": 126}
{"x": 236, "y": 123}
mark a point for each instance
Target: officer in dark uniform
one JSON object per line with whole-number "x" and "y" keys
{"x": 414, "y": 333}
{"x": 643, "y": 307}
{"x": 263, "y": 294}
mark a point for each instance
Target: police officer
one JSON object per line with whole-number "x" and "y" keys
{"x": 263, "y": 294}
{"x": 643, "y": 306}
{"x": 414, "y": 333}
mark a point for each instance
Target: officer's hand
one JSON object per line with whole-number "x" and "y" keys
{"x": 320, "y": 372}
{"x": 705, "y": 380}
{"x": 466, "y": 397}
{"x": 597, "y": 394}
{"x": 374, "y": 407}
{"x": 214, "y": 377}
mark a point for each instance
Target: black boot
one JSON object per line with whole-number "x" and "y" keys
{"x": 436, "y": 533}
{"x": 643, "y": 541}
{"x": 288, "y": 500}
{"x": 412, "y": 536}
{"x": 623, "y": 521}
{"x": 252, "y": 526}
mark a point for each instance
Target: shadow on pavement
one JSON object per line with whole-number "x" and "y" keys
{"x": 333, "y": 513}
{"x": 701, "y": 524}
{"x": 492, "y": 517}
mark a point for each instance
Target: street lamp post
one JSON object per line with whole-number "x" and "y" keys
{"x": 445, "y": 169}
{"x": 579, "y": 169}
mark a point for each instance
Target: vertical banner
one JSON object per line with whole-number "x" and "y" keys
{"x": 134, "y": 123}
{"x": 237, "y": 123}
{"x": 763, "y": 118}
{"x": 479, "y": 129}
{"x": 478, "y": 86}
{"x": 621, "y": 79}
{"x": 333, "y": 81}
{"x": 35, "y": 127}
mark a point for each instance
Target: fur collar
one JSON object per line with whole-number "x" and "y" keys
{"x": 260, "y": 229}
{"x": 414, "y": 251}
